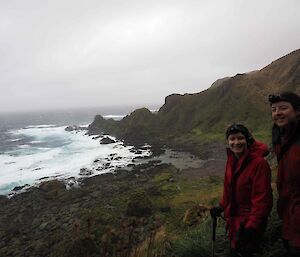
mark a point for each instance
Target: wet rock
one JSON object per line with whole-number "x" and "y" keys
{"x": 144, "y": 147}
{"x": 157, "y": 150}
{"x": 155, "y": 161}
{"x": 141, "y": 157}
{"x": 85, "y": 172}
{"x": 18, "y": 188}
{"x": 144, "y": 166}
{"x": 43, "y": 178}
{"x": 74, "y": 127}
{"x": 107, "y": 165}
{"x": 107, "y": 140}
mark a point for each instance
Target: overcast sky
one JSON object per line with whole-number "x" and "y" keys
{"x": 86, "y": 53}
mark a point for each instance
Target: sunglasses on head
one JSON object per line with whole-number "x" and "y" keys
{"x": 233, "y": 128}
{"x": 276, "y": 98}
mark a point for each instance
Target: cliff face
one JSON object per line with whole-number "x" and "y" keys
{"x": 242, "y": 98}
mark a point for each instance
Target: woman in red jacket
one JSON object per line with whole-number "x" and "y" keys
{"x": 247, "y": 193}
{"x": 285, "y": 109}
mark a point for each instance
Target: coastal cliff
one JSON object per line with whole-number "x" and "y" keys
{"x": 190, "y": 118}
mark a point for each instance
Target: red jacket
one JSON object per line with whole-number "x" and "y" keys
{"x": 288, "y": 185}
{"x": 247, "y": 196}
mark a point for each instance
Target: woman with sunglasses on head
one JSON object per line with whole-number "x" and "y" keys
{"x": 285, "y": 110}
{"x": 247, "y": 193}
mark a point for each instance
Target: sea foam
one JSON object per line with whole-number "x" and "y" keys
{"x": 62, "y": 155}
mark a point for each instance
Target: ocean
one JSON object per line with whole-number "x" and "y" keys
{"x": 35, "y": 147}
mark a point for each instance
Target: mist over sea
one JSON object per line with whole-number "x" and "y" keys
{"x": 35, "y": 147}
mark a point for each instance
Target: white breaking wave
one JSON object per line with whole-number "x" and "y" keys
{"x": 14, "y": 140}
{"x": 68, "y": 154}
{"x": 114, "y": 117}
{"x": 41, "y": 126}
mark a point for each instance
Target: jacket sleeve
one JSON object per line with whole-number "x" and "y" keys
{"x": 226, "y": 192}
{"x": 261, "y": 195}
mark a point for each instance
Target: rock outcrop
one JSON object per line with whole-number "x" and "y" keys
{"x": 107, "y": 140}
{"x": 75, "y": 128}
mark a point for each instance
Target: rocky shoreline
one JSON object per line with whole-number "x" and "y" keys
{"x": 48, "y": 220}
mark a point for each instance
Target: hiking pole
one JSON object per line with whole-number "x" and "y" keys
{"x": 214, "y": 226}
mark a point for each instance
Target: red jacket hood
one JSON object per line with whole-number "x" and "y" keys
{"x": 258, "y": 149}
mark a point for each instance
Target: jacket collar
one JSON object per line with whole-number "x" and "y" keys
{"x": 257, "y": 149}
{"x": 236, "y": 163}
{"x": 286, "y": 138}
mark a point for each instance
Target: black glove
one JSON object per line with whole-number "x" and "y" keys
{"x": 216, "y": 211}
{"x": 244, "y": 237}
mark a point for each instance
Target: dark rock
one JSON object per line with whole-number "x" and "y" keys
{"x": 157, "y": 150}
{"x": 144, "y": 147}
{"x": 43, "y": 178}
{"x": 85, "y": 172}
{"x": 155, "y": 161}
{"x": 107, "y": 140}
{"x": 74, "y": 127}
{"x": 18, "y": 188}
{"x": 144, "y": 166}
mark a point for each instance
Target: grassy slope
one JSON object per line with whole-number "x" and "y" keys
{"x": 167, "y": 231}
{"x": 193, "y": 118}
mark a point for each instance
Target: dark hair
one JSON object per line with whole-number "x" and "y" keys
{"x": 290, "y": 97}
{"x": 239, "y": 128}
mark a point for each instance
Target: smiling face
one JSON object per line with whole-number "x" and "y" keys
{"x": 283, "y": 113}
{"x": 237, "y": 144}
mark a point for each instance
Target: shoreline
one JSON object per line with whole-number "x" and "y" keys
{"x": 41, "y": 221}
{"x": 186, "y": 163}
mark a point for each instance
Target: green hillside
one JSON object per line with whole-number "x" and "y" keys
{"x": 191, "y": 118}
